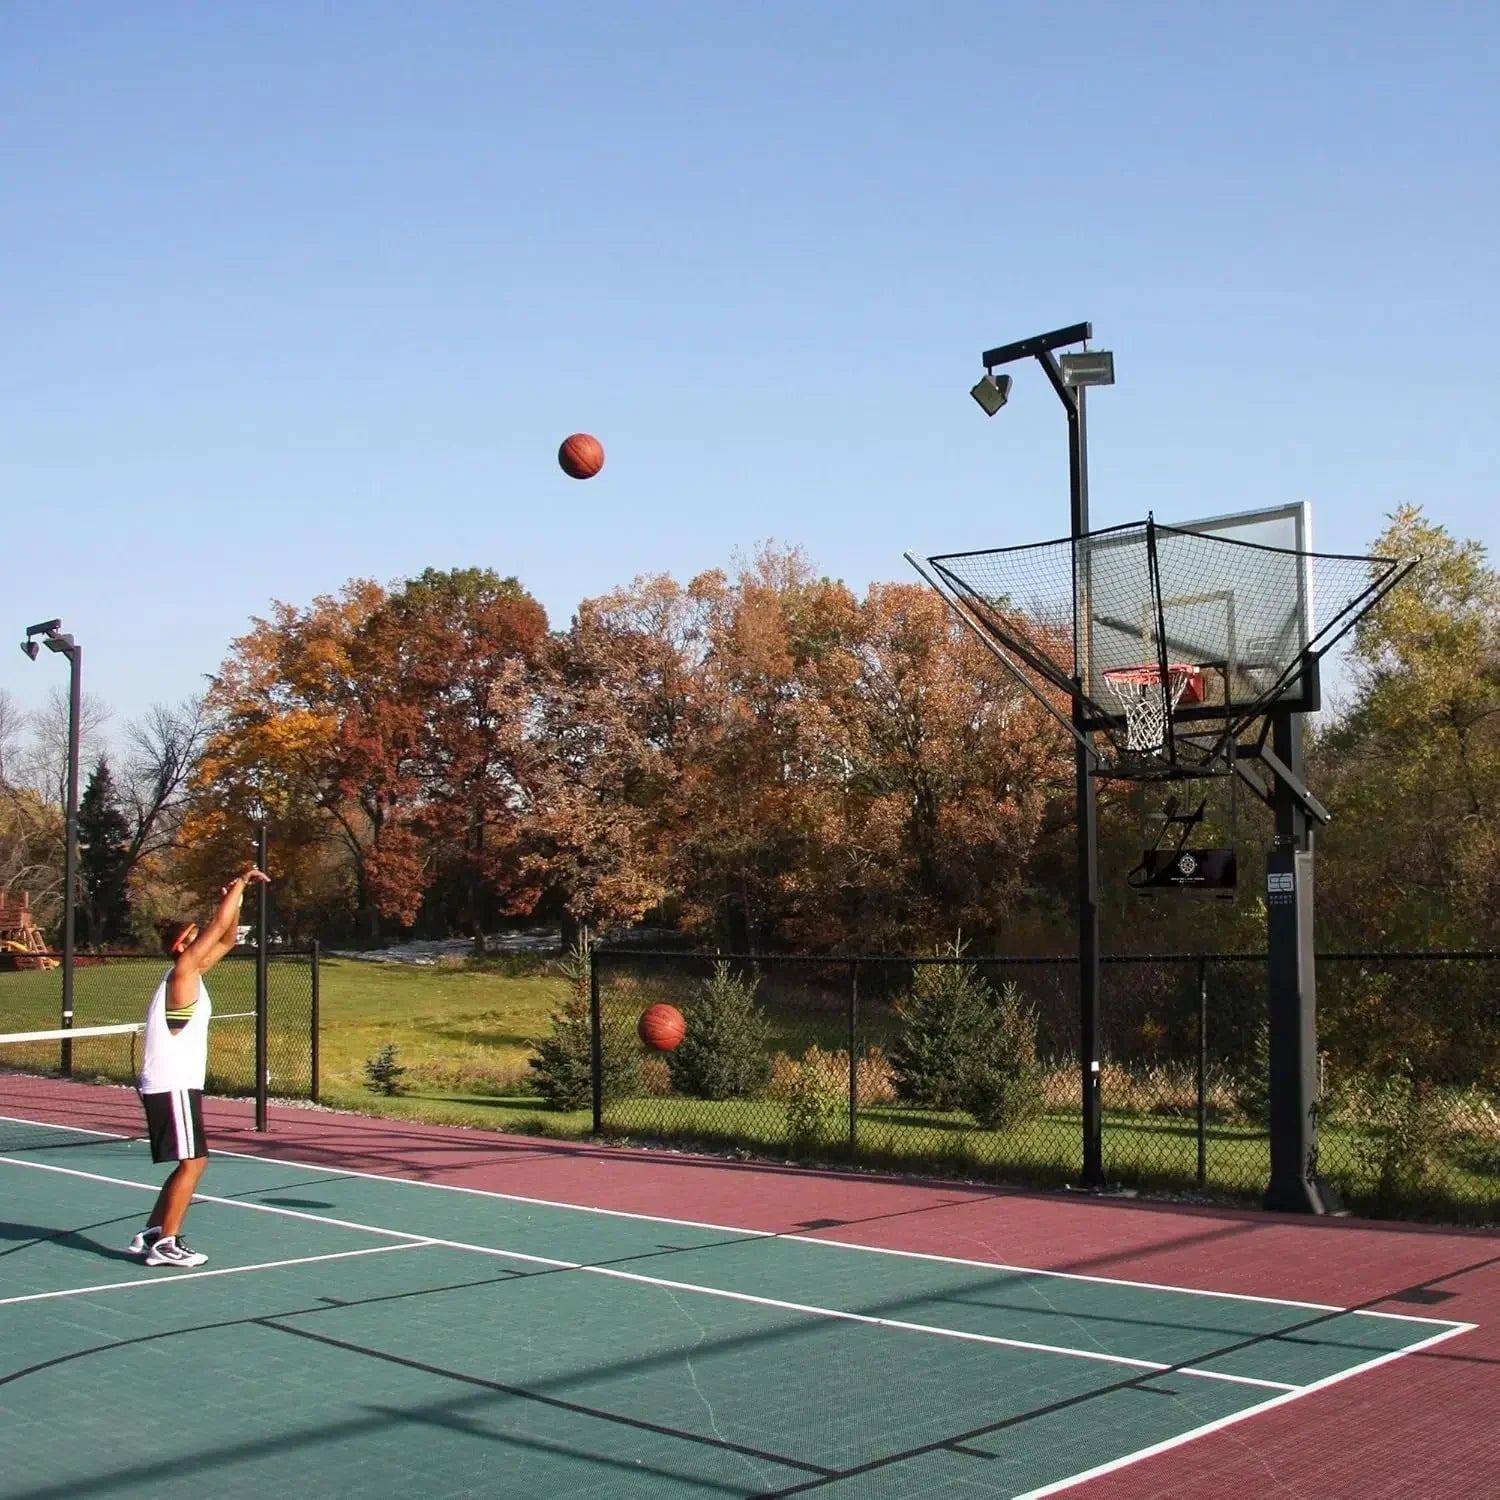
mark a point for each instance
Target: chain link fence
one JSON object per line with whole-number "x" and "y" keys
{"x": 114, "y": 989}
{"x": 971, "y": 1066}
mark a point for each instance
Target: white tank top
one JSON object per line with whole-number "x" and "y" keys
{"x": 175, "y": 1061}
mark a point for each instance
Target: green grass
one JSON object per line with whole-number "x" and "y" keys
{"x": 463, "y": 1034}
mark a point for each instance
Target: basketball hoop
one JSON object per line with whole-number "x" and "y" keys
{"x": 1144, "y": 701}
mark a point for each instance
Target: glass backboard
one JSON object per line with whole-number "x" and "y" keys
{"x": 1240, "y": 613}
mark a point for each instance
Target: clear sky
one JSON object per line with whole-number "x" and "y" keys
{"x": 294, "y": 293}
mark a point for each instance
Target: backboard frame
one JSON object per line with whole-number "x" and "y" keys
{"x": 1290, "y": 531}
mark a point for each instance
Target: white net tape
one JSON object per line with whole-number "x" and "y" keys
{"x": 1143, "y": 701}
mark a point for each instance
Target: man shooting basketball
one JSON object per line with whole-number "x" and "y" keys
{"x": 173, "y": 1068}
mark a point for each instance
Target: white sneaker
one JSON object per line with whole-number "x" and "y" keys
{"x": 143, "y": 1241}
{"x": 170, "y": 1251}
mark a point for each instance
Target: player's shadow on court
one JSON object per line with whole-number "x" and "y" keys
{"x": 28, "y": 1236}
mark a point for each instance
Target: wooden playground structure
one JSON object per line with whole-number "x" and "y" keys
{"x": 21, "y": 943}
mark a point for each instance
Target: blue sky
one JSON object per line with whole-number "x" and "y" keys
{"x": 294, "y": 293}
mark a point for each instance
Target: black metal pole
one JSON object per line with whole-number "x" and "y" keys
{"x": 262, "y": 985}
{"x": 1088, "y": 843}
{"x": 315, "y": 1023}
{"x": 853, "y": 1060}
{"x": 1202, "y": 1071}
{"x": 1041, "y": 348}
{"x": 596, "y": 1042}
{"x": 1292, "y": 1006}
{"x": 70, "y": 853}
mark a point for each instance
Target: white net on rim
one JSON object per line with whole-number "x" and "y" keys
{"x": 1143, "y": 701}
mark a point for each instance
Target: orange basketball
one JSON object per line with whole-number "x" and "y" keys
{"x": 661, "y": 1027}
{"x": 581, "y": 456}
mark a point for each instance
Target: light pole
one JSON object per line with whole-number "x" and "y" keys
{"x": 55, "y": 640}
{"x": 1070, "y": 376}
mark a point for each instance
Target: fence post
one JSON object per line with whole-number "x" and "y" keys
{"x": 853, "y": 1060}
{"x": 596, "y": 1042}
{"x": 262, "y": 984}
{"x": 1202, "y": 1070}
{"x": 316, "y": 1022}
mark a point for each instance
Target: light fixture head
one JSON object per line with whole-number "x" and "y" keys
{"x": 992, "y": 393}
{"x": 30, "y": 648}
{"x": 1092, "y": 367}
{"x": 60, "y": 643}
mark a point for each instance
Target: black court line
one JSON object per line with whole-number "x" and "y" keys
{"x": 272, "y": 1321}
{"x": 1137, "y": 1382}
{"x": 575, "y": 1407}
{"x": 222, "y": 1323}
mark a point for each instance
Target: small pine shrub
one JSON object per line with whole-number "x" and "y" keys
{"x": 876, "y": 1082}
{"x": 817, "y": 1103}
{"x": 563, "y": 1062}
{"x": 656, "y": 1075}
{"x": 725, "y": 1054}
{"x": 383, "y": 1071}
{"x": 1004, "y": 1085}
{"x": 1403, "y": 1132}
{"x": 942, "y": 1017}
{"x": 1252, "y": 1079}
{"x": 964, "y": 1047}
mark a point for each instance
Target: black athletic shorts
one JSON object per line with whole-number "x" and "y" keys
{"x": 175, "y": 1124}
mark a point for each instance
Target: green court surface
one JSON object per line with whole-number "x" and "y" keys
{"x": 354, "y": 1335}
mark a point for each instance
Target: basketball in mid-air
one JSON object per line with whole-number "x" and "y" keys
{"x": 661, "y": 1027}
{"x": 581, "y": 456}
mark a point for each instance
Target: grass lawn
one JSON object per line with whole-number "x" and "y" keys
{"x": 460, "y": 1032}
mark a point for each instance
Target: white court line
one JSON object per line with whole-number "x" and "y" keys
{"x": 771, "y": 1234}
{"x": 172, "y": 1277}
{"x": 1115, "y": 1464}
{"x": 614, "y": 1273}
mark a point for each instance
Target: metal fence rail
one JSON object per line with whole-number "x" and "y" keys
{"x": 837, "y": 1059}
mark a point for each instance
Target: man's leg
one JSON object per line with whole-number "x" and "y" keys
{"x": 175, "y": 1121}
{"x": 176, "y": 1194}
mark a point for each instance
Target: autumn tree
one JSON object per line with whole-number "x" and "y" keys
{"x": 954, "y": 768}
{"x": 466, "y": 653}
{"x": 761, "y": 786}
{"x": 277, "y": 709}
{"x": 1411, "y": 765}
{"x": 619, "y": 727}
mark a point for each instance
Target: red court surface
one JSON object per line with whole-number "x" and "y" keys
{"x": 1424, "y": 1425}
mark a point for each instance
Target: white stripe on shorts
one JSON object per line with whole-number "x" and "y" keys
{"x": 182, "y": 1118}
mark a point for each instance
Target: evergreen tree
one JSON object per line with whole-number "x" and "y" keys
{"x": 726, "y": 1053}
{"x": 103, "y": 863}
{"x": 942, "y": 1017}
{"x": 563, "y": 1061}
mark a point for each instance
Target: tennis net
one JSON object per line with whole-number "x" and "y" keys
{"x": 83, "y": 1079}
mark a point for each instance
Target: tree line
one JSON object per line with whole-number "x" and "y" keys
{"x": 758, "y": 758}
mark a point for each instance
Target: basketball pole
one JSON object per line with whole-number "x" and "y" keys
{"x": 1291, "y": 986}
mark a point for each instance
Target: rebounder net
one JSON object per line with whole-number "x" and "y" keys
{"x": 1171, "y": 641}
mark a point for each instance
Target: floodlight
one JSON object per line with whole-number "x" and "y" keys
{"x": 992, "y": 393}
{"x": 60, "y": 643}
{"x": 30, "y": 648}
{"x": 1096, "y": 367}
